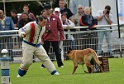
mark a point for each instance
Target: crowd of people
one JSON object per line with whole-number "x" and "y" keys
{"x": 56, "y": 21}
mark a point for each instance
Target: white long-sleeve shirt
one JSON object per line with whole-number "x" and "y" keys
{"x": 70, "y": 24}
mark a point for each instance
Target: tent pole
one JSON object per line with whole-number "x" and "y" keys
{"x": 118, "y": 28}
{"x": 4, "y": 6}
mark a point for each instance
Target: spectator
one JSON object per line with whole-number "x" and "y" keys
{"x": 63, "y": 9}
{"x": 78, "y": 15}
{"x": 26, "y": 10}
{"x": 53, "y": 28}
{"x": 58, "y": 13}
{"x": 43, "y": 13}
{"x": 14, "y": 17}
{"x": 33, "y": 47}
{"x": 67, "y": 24}
{"x": 24, "y": 20}
{"x": 6, "y": 23}
{"x": 89, "y": 37}
{"x": 87, "y": 19}
{"x": 104, "y": 17}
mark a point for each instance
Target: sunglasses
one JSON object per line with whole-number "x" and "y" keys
{"x": 79, "y": 8}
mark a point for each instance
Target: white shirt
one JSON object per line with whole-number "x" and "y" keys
{"x": 103, "y": 21}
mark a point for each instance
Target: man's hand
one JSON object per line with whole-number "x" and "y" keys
{"x": 23, "y": 34}
{"x": 67, "y": 27}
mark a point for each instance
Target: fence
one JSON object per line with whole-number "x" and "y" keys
{"x": 78, "y": 40}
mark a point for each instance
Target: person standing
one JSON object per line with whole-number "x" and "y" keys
{"x": 104, "y": 17}
{"x": 53, "y": 29}
{"x": 30, "y": 14}
{"x": 31, "y": 45}
{"x": 66, "y": 10}
{"x": 58, "y": 13}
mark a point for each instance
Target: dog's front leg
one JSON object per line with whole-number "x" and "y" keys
{"x": 84, "y": 69}
{"x": 75, "y": 67}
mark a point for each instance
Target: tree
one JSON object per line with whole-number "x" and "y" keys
{"x": 33, "y": 5}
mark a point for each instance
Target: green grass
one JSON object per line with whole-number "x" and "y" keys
{"x": 37, "y": 75}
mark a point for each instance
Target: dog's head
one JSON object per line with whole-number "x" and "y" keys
{"x": 69, "y": 53}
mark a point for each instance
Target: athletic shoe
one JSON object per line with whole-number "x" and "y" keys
{"x": 18, "y": 76}
{"x": 61, "y": 66}
{"x": 57, "y": 73}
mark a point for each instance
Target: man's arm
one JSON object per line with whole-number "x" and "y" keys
{"x": 108, "y": 19}
{"x": 24, "y": 30}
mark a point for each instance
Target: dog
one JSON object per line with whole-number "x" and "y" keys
{"x": 82, "y": 57}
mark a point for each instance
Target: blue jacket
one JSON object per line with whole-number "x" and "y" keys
{"x": 9, "y": 25}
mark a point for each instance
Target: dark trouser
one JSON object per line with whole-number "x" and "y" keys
{"x": 55, "y": 45}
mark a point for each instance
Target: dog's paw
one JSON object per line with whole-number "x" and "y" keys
{"x": 85, "y": 72}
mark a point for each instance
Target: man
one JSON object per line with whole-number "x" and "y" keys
{"x": 26, "y": 10}
{"x": 24, "y": 20}
{"x": 57, "y": 12}
{"x": 6, "y": 23}
{"x": 53, "y": 29}
{"x": 14, "y": 17}
{"x": 104, "y": 17}
{"x": 31, "y": 45}
{"x": 63, "y": 9}
{"x": 78, "y": 15}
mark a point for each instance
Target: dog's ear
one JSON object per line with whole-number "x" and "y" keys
{"x": 68, "y": 52}
{"x": 70, "y": 48}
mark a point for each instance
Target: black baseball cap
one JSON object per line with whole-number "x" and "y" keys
{"x": 47, "y": 6}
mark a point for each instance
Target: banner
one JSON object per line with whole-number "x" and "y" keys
{"x": 120, "y": 11}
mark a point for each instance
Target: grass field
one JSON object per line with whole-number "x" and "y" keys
{"x": 37, "y": 75}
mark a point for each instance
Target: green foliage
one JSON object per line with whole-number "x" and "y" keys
{"x": 33, "y": 5}
{"x": 37, "y": 75}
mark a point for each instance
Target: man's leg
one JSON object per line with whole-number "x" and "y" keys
{"x": 46, "y": 47}
{"x": 26, "y": 59}
{"x": 55, "y": 45}
{"x": 42, "y": 55}
{"x": 100, "y": 41}
{"x": 108, "y": 39}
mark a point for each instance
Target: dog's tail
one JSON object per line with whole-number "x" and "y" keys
{"x": 96, "y": 58}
